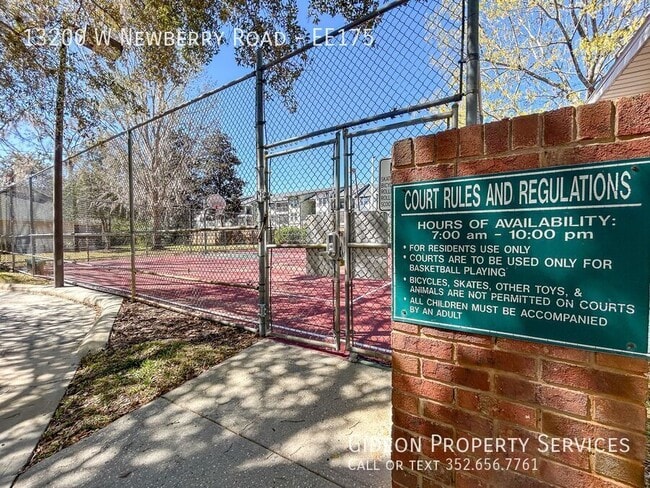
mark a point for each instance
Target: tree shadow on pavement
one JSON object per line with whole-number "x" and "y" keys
{"x": 39, "y": 338}
{"x": 273, "y": 415}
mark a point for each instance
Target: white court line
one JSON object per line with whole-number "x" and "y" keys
{"x": 304, "y": 297}
{"x": 371, "y": 292}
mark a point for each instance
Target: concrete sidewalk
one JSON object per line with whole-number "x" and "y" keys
{"x": 274, "y": 415}
{"x": 43, "y": 334}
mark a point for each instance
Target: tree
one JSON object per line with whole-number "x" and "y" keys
{"x": 94, "y": 192}
{"x": 177, "y": 170}
{"x": 29, "y": 61}
{"x": 215, "y": 172}
{"x": 29, "y": 68}
{"x": 16, "y": 166}
{"x": 542, "y": 54}
{"x": 170, "y": 153}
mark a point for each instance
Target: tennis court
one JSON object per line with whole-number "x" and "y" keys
{"x": 224, "y": 284}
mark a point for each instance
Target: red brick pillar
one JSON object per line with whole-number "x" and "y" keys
{"x": 456, "y": 386}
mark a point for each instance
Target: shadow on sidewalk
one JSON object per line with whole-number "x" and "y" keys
{"x": 274, "y": 415}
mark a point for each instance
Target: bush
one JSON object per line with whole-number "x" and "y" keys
{"x": 290, "y": 235}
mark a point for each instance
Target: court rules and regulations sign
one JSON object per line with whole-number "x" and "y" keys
{"x": 558, "y": 255}
{"x": 385, "y": 185}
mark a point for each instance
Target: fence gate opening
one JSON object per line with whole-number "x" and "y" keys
{"x": 304, "y": 251}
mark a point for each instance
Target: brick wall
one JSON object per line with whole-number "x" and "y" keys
{"x": 452, "y": 385}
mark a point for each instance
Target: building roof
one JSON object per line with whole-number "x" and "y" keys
{"x": 630, "y": 74}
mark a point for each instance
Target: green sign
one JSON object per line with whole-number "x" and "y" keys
{"x": 557, "y": 255}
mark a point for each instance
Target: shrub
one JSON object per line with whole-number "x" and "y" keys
{"x": 290, "y": 235}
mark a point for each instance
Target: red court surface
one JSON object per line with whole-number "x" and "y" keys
{"x": 224, "y": 284}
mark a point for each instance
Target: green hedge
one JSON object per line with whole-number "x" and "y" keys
{"x": 290, "y": 235}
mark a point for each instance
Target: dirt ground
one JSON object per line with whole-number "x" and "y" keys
{"x": 150, "y": 352}
{"x": 138, "y": 323}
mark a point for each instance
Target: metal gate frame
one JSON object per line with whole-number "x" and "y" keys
{"x": 343, "y": 245}
{"x": 333, "y": 248}
{"x": 348, "y": 137}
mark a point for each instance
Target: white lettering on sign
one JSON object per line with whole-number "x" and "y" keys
{"x": 587, "y": 188}
{"x": 551, "y": 254}
{"x": 385, "y": 185}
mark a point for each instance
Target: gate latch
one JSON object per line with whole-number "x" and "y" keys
{"x": 333, "y": 244}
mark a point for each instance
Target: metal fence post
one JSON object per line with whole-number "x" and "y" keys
{"x": 473, "y": 66}
{"x": 32, "y": 243}
{"x": 262, "y": 196}
{"x": 12, "y": 226}
{"x": 191, "y": 222}
{"x": 453, "y": 122}
{"x": 337, "y": 244}
{"x": 347, "y": 226}
{"x": 205, "y": 229}
{"x": 131, "y": 210}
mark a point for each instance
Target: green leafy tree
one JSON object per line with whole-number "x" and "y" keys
{"x": 542, "y": 54}
{"x": 29, "y": 70}
{"x": 215, "y": 172}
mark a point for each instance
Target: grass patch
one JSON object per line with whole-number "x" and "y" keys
{"x": 136, "y": 368}
{"x": 20, "y": 279}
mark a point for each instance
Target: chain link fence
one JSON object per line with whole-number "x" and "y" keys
{"x": 96, "y": 216}
{"x": 26, "y": 225}
{"x": 257, "y": 203}
{"x": 368, "y": 245}
{"x": 194, "y": 197}
{"x": 404, "y": 59}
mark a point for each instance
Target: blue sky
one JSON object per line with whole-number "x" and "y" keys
{"x": 340, "y": 84}
{"x": 223, "y": 67}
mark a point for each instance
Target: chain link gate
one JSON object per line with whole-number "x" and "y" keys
{"x": 329, "y": 245}
{"x": 304, "y": 251}
{"x": 360, "y": 88}
{"x": 367, "y": 237}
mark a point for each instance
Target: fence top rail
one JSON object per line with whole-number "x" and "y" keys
{"x": 368, "y": 120}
